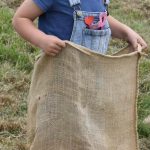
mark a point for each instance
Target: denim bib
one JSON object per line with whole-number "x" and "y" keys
{"x": 94, "y": 39}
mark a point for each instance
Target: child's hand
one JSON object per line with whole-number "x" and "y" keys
{"x": 122, "y": 31}
{"x": 52, "y": 45}
{"x": 134, "y": 39}
{"x": 23, "y": 23}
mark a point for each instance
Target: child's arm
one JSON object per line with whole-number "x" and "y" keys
{"x": 23, "y": 24}
{"x": 122, "y": 31}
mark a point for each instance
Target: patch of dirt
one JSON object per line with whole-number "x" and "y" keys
{"x": 10, "y": 126}
{"x": 13, "y": 4}
{"x": 145, "y": 144}
{"x": 5, "y": 100}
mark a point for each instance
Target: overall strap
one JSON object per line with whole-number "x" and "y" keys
{"x": 106, "y": 3}
{"x": 74, "y": 2}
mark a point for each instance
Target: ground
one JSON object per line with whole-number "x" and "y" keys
{"x": 16, "y": 65}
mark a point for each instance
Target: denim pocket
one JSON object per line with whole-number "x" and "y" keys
{"x": 96, "y": 40}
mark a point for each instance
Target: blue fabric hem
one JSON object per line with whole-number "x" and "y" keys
{"x": 40, "y": 5}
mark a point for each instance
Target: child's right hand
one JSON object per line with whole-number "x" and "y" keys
{"x": 52, "y": 45}
{"x": 23, "y": 24}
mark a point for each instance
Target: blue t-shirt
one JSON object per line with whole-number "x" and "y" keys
{"x": 57, "y": 18}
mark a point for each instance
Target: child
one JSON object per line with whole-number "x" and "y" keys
{"x": 85, "y": 23}
{"x": 56, "y": 25}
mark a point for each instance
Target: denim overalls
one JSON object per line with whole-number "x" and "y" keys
{"x": 96, "y": 40}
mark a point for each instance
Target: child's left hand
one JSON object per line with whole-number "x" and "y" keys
{"x": 122, "y": 31}
{"x": 134, "y": 39}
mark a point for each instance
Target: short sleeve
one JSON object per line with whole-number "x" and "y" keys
{"x": 44, "y": 5}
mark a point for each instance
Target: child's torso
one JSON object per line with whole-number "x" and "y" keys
{"x": 58, "y": 18}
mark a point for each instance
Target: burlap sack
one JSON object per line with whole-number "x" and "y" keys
{"x": 81, "y": 100}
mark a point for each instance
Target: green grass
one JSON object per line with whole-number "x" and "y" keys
{"x": 13, "y": 49}
{"x": 16, "y": 64}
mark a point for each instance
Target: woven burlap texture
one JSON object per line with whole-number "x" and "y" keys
{"x": 82, "y": 100}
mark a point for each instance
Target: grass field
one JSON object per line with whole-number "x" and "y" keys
{"x": 16, "y": 65}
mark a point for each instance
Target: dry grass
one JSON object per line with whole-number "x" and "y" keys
{"x": 145, "y": 144}
{"x": 5, "y": 100}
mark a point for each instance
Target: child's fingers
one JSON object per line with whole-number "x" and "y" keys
{"x": 56, "y": 41}
{"x": 142, "y": 43}
{"x": 54, "y": 51}
{"x": 61, "y": 43}
{"x": 57, "y": 47}
{"x": 50, "y": 53}
{"x": 134, "y": 44}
